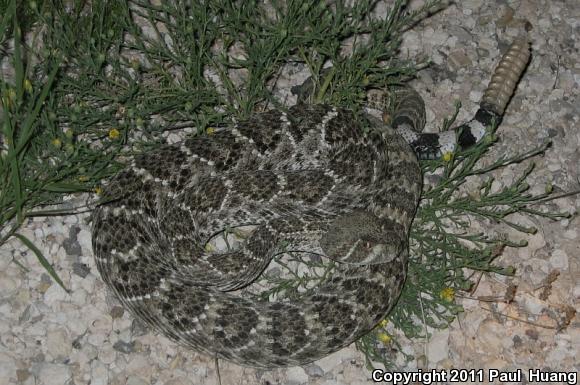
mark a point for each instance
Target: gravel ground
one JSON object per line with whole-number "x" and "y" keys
{"x": 50, "y": 337}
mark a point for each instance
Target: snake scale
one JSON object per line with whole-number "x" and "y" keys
{"x": 308, "y": 178}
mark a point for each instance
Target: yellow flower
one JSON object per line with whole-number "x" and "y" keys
{"x": 11, "y": 94}
{"x": 447, "y": 156}
{"x": 56, "y": 142}
{"x": 114, "y": 133}
{"x": 383, "y": 323}
{"x": 98, "y": 190}
{"x": 83, "y": 178}
{"x": 9, "y": 97}
{"x": 27, "y": 86}
{"x": 488, "y": 138}
{"x": 447, "y": 294}
{"x": 69, "y": 148}
{"x": 384, "y": 338}
{"x": 135, "y": 64}
{"x": 210, "y": 130}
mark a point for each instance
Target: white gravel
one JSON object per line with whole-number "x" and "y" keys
{"x": 50, "y": 337}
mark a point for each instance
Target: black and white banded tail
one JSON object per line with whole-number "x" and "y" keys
{"x": 407, "y": 121}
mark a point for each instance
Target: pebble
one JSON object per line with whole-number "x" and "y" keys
{"x": 5, "y": 258}
{"x": 297, "y": 374}
{"x": 8, "y": 285}
{"x": 53, "y": 374}
{"x": 314, "y": 370}
{"x": 54, "y": 294}
{"x": 332, "y": 382}
{"x": 533, "y": 305}
{"x": 107, "y": 353}
{"x": 475, "y": 96}
{"x": 336, "y": 359}
{"x": 88, "y": 283}
{"x": 577, "y": 292}
{"x": 559, "y": 259}
{"x": 571, "y": 234}
{"x": 21, "y": 375}
{"x": 438, "y": 347}
{"x": 124, "y": 347}
{"x": 76, "y": 325}
{"x": 7, "y": 368}
{"x": 139, "y": 364}
{"x": 488, "y": 336}
{"x": 79, "y": 296}
{"x": 84, "y": 239}
{"x": 136, "y": 381}
{"x": 117, "y": 312}
{"x": 138, "y": 328}
{"x": 81, "y": 269}
{"x": 58, "y": 343}
{"x": 177, "y": 381}
{"x": 459, "y": 59}
{"x": 535, "y": 242}
{"x": 99, "y": 374}
{"x": 100, "y": 329}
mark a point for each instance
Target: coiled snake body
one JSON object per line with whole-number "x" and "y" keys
{"x": 309, "y": 179}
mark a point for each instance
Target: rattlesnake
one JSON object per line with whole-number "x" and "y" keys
{"x": 308, "y": 178}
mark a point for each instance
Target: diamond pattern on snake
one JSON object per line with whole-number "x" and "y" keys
{"x": 309, "y": 178}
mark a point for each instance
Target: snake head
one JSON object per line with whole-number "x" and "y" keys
{"x": 361, "y": 238}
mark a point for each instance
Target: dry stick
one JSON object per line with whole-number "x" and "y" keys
{"x": 217, "y": 369}
{"x": 425, "y": 327}
{"x": 521, "y": 320}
